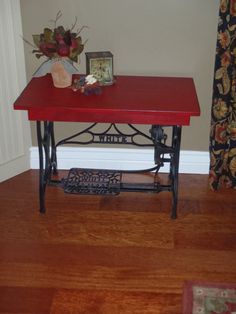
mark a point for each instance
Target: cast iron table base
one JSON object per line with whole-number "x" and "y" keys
{"x": 109, "y": 182}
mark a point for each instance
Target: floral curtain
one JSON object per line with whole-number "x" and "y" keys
{"x": 223, "y": 115}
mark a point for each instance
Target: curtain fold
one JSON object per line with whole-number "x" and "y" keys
{"x": 223, "y": 113}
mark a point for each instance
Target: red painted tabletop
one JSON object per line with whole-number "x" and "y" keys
{"x": 131, "y": 99}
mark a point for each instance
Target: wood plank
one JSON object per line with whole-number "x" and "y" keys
{"x": 107, "y": 302}
{"x": 219, "y": 241}
{"x": 25, "y": 300}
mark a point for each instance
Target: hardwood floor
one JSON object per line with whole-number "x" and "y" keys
{"x": 119, "y": 254}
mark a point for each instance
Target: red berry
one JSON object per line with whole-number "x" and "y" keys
{"x": 63, "y": 50}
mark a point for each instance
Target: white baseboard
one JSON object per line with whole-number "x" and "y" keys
{"x": 121, "y": 158}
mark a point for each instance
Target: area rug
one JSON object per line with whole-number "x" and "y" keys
{"x": 209, "y": 298}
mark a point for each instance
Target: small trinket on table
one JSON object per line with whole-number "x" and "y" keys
{"x": 87, "y": 85}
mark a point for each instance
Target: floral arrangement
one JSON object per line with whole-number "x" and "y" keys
{"x": 58, "y": 45}
{"x": 59, "y": 42}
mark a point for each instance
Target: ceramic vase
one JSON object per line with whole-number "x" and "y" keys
{"x": 60, "y": 76}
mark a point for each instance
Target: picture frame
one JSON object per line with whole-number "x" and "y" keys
{"x": 100, "y": 64}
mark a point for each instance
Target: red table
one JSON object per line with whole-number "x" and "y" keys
{"x": 156, "y": 101}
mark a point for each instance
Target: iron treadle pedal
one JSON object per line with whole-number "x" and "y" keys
{"x": 92, "y": 181}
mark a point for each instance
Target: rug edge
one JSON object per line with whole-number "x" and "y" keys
{"x": 188, "y": 294}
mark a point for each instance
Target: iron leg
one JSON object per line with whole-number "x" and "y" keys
{"x": 174, "y": 168}
{"x": 53, "y": 153}
{"x": 45, "y": 165}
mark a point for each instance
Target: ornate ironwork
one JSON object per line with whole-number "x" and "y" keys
{"x": 92, "y": 181}
{"x": 159, "y": 138}
{"x": 101, "y": 182}
{"x": 111, "y": 135}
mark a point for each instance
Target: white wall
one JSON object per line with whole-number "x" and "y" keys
{"x": 147, "y": 37}
{"x": 14, "y": 126}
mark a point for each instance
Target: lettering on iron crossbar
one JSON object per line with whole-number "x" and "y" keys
{"x": 111, "y": 135}
{"x": 113, "y": 139}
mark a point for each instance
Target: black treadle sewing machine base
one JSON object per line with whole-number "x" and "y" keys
{"x": 109, "y": 182}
